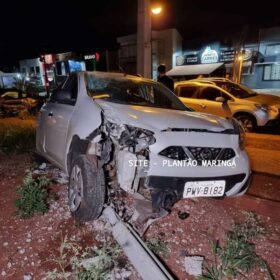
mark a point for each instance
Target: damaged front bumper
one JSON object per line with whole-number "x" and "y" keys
{"x": 167, "y": 182}
{"x": 165, "y": 191}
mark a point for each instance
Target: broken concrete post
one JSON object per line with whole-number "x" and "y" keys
{"x": 141, "y": 257}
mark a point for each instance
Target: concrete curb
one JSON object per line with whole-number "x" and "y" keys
{"x": 141, "y": 257}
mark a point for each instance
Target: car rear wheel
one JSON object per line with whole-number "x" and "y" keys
{"x": 248, "y": 122}
{"x": 86, "y": 192}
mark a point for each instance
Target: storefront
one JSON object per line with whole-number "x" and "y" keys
{"x": 266, "y": 71}
{"x": 260, "y": 66}
{"x": 211, "y": 60}
{"x": 92, "y": 61}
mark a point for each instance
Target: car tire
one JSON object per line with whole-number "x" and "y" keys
{"x": 86, "y": 192}
{"x": 248, "y": 122}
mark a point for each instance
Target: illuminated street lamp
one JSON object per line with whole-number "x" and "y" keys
{"x": 240, "y": 60}
{"x": 156, "y": 10}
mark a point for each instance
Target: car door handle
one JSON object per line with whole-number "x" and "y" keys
{"x": 50, "y": 114}
{"x": 202, "y": 105}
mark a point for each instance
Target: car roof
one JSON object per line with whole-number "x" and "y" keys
{"x": 210, "y": 80}
{"x": 115, "y": 75}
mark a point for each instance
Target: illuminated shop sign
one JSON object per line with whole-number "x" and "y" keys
{"x": 89, "y": 56}
{"x": 94, "y": 56}
{"x": 227, "y": 56}
{"x": 248, "y": 54}
{"x": 75, "y": 65}
{"x": 211, "y": 55}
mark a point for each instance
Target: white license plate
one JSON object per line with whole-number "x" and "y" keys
{"x": 204, "y": 188}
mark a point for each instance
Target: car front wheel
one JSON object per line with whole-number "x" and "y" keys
{"x": 86, "y": 192}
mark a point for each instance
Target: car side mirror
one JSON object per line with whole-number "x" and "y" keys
{"x": 221, "y": 99}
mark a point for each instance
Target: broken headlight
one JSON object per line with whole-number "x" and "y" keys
{"x": 174, "y": 152}
{"x": 238, "y": 129}
{"x": 136, "y": 137}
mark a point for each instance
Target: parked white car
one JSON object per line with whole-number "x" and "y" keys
{"x": 109, "y": 130}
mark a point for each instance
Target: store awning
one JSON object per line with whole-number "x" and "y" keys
{"x": 196, "y": 69}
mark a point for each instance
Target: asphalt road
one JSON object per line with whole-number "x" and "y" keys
{"x": 265, "y": 186}
{"x": 269, "y": 130}
{"x": 264, "y": 153}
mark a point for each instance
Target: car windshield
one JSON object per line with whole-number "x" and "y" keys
{"x": 239, "y": 91}
{"x": 133, "y": 92}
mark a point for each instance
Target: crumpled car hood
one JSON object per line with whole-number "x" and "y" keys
{"x": 161, "y": 119}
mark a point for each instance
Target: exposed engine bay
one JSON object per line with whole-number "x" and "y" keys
{"x": 124, "y": 153}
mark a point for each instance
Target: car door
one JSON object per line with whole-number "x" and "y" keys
{"x": 208, "y": 104}
{"x": 58, "y": 113}
{"x": 188, "y": 95}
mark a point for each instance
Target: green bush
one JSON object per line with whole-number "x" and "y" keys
{"x": 237, "y": 256}
{"x": 70, "y": 261}
{"x": 158, "y": 246}
{"x": 17, "y": 139}
{"x": 32, "y": 196}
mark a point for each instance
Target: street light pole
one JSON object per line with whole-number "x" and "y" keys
{"x": 144, "y": 37}
{"x": 240, "y": 60}
{"x": 144, "y": 48}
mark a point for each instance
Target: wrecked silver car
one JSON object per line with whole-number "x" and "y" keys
{"x": 112, "y": 132}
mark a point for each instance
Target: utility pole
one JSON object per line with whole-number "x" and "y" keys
{"x": 144, "y": 48}
{"x": 43, "y": 60}
{"x": 238, "y": 58}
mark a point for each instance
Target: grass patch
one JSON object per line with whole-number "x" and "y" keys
{"x": 33, "y": 196}
{"x": 73, "y": 262}
{"x": 17, "y": 136}
{"x": 237, "y": 256}
{"x": 158, "y": 246}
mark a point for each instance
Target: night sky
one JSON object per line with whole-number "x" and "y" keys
{"x": 29, "y": 28}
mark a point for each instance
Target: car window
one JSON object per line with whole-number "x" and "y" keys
{"x": 187, "y": 91}
{"x": 133, "y": 92}
{"x": 67, "y": 92}
{"x": 237, "y": 90}
{"x": 211, "y": 93}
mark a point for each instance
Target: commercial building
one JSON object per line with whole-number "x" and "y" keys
{"x": 166, "y": 46}
{"x": 57, "y": 66}
{"x": 260, "y": 67}
{"x": 61, "y": 64}
{"x": 7, "y": 80}
{"x": 265, "y": 73}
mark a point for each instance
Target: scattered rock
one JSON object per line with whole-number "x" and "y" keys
{"x": 5, "y": 244}
{"x": 22, "y": 251}
{"x": 27, "y": 276}
{"x": 3, "y": 273}
{"x": 87, "y": 263}
{"x": 125, "y": 274}
{"x": 43, "y": 166}
{"x": 193, "y": 265}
